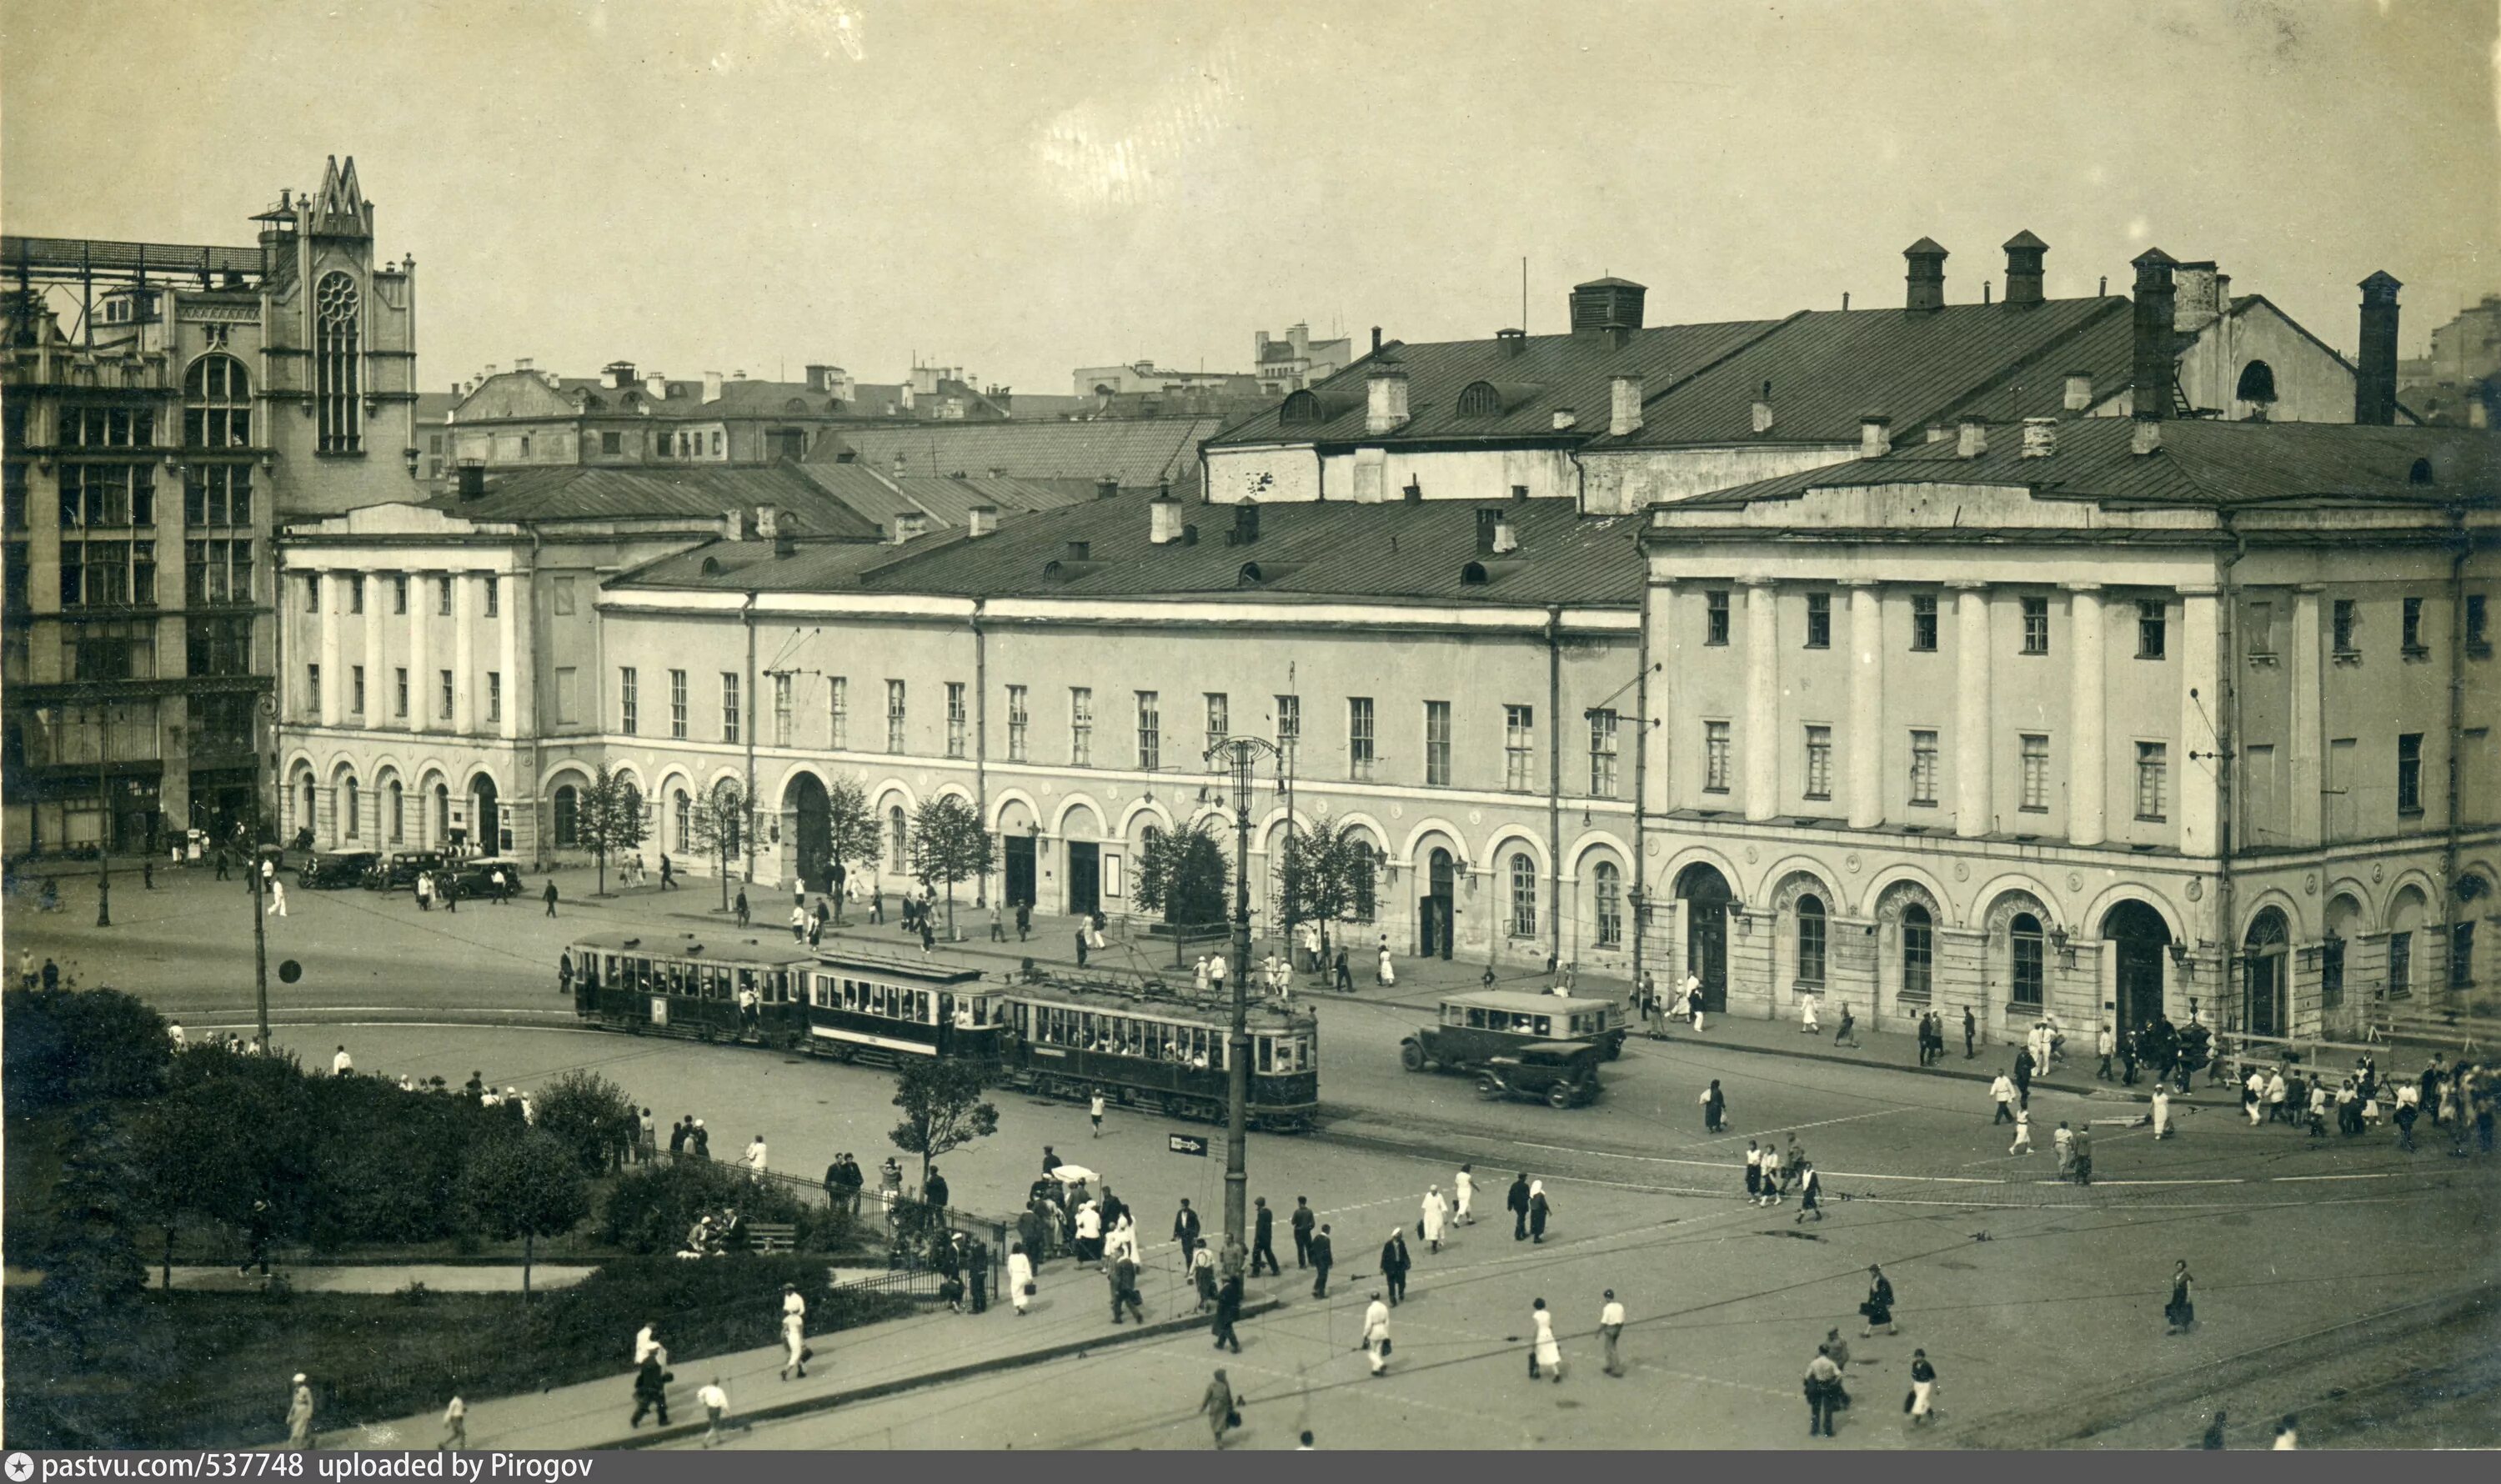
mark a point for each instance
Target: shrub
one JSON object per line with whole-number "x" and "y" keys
{"x": 653, "y": 1206}
{"x": 64, "y": 1048}
{"x": 592, "y": 1116}
{"x": 703, "y": 1308}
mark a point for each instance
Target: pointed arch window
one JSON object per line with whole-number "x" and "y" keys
{"x": 338, "y": 321}
{"x": 216, "y": 404}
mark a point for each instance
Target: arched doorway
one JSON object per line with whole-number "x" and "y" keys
{"x": 1437, "y": 915}
{"x": 2262, "y": 976}
{"x": 2138, "y": 939}
{"x": 485, "y": 817}
{"x": 1705, "y": 894}
{"x": 813, "y": 828}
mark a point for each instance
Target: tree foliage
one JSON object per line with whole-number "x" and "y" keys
{"x": 943, "y": 1109}
{"x": 1328, "y": 872}
{"x": 1184, "y": 875}
{"x": 527, "y": 1184}
{"x": 849, "y": 823}
{"x": 612, "y": 821}
{"x": 591, "y": 1116}
{"x": 716, "y": 824}
{"x": 948, "y": 844}
{"x": 66, "y": 1048}
{"x": 650, "y": 1207}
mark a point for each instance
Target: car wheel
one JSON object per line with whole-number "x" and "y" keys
{"x": 1410, "y": 1056}
{"x": 1487, "y": 1087}
{"x": 1615, "y": 1047}
{"x": 1559, "y": 1096}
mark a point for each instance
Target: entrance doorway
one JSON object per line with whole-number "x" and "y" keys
{"x": 1085, "y": 876}
{"x": 1706, "y": 896}
{"x": 813, "y": 824}
{"x": 1437, "y": 915}
{"x": 2141, "y": 940}
{"x": 485, "y": 817}
{"x": 1020, "y": 869}
{"x": 2263, "y": 977}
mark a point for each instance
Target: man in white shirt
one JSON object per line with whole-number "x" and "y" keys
{"x": 716, "y": 1406}
{"x": 1465, "y": 1184}
{"x": 2003, "y": 1090}
{"x": 1611, "y": 1326}
{"x": 647, "y": 1344}
{"x": 342, "y": 1064}
{"x": 755, "y": 1157}
{"x": 1376, "y": 1334}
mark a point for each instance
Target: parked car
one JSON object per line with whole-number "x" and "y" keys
{"x": 329, "y": 869}
{"x": 1560, "y": 1074}
{"x": 1482, "y": 1024}
{"x": 476, "y": 875}
{"x": 398, "y": 871}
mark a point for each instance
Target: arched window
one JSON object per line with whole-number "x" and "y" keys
{"x": 568, "y": 816}
{"x": 898, "y": 841}
{"x": 1300, "y": 408}
{"x": 311, "y": 804}
{"x": 2257, "y": 385}
{"x": 2024, "y": 945}
{"x": 442, "y": 815}
{"x": 1812, "y": 938}
{"x": 1364, "y": 887}
{"x": 216, "y": 404}
{"x": 1918, "y": 951}
{"x": 1479, "y": 400}
{"x": 732, "y": 817}
{"x": 337, "y": 331}
{"x": 351, "y": 809}
{"x": 398, "y": 821}
{"x": 2420, "y": 473}
{"x": 681, "y": 813}
{"x": 1608, "y": 882}
{"x": 1524, "y": 896}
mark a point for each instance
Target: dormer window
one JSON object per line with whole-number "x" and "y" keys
{"x": 2420, "y": 473}
{"x": 1249, "y": 575}
{"x": 1479, "y": 400}
{"x": 1473, "y": 575}
{"x": 1300, "y": 408}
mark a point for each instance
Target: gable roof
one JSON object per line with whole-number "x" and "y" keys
{"x": 1137, "y": 452}
{"x": 698, "y": 493}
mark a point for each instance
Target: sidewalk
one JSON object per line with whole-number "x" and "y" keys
{"x": 386, "y": 1278}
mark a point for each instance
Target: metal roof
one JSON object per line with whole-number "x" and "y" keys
{"x": 1139, "y": 453}
{"x": 697, "y": 491}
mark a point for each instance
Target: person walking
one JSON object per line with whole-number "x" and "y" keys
{"x": 2161, "y": 1113}
{"x": 2288, "y": 1434}
{"x": 1808, "y": 1025}
{"x": 1611, "y": 1328}
{"x": 2082, "y": 1171}
{"x": 1123, "y": 1274}
{"x": 1463, "y": 1186}
{"x": 1021, "y": 1283}
{"x": 1024, "y": 920}
{"x": 549, "y": 897}
{"x": 455, "y": 1427}
{"x": 1202, "y": 1271}
{"x": 2022, "y": 1132}
{"x": 1694, "y": 1000}
{"x": 2063, "y": 1143}
{"x": 1970, "y": 1027}
{"x": 1184, "y": 1226}
{"x": 668, "y": 874}
{"x": 794, "y": 1342}
{"x": 1715, "y": 1108}
{"x": 650, "y": 1385}
{"x": 341, "y": 1064}
{"x": 716, "y": 1406}
{"x": 1823, "y": 1391}
{"x": 1345, "y": 974}
{"x": 2025, "y": 1067}
{"x": 1810, "y": 1189}
{"x": 1374, "y": 1341}
{"x": 1095, "y": 1102}
{"x": 755, "y": 1157}
{"x": 2181, "y": 1312}
{"x": 1924, "y": 1389}
{"x": 1848, "y": 1034}
{"x": 1542, "y": 1349}
{"x": 1538, "y": 1207}
{"x": 1518, "y": 1202}
{"x": 1223, "y": 1412}
{"x": 2105, "y": 1044}
{"x": 1229, "y": 1313}
{"x": 299, "y": 1416}
{"x": 1879, "y": 1307}
{"x": 1753, "y": 1173}
{"x": 2214, "y": 1439}
{"x": 1323, "y": 1254}
{"x": 1436, "y": 1218}
{"x": 1771, "y": 1176}
{"x": 1395, "y": 1261}
{"x": 2003, "y": 1091}
{"x": 1301, "y": 1222}
{"x": 277, "y": 898}
{"x": 425, "y": 890}
{"x": 1263, "y": 1237}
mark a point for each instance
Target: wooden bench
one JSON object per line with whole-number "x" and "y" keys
{"x": 772, "y": 1236}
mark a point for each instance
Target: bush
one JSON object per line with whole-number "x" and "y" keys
{"x": 64, "y": 1048}
{"x": 653, "y": 1206}
{"x": 592, "y": 1116}
{"x": 709, "y": 1307}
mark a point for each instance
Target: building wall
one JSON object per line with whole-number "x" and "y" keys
{"x": 2312, "y": 384}
{"x": 1628, "y": 481}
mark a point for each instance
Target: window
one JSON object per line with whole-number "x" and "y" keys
{"x": 313, "y": 686}
{"x": 1151, "y": 731}
{"x": 217, "y": 572}
{"x": 2257, "y": 386}
{"x": 682, "y": 810}
{"x": 782, "y": 708}
{"x": 216, "y": 404}
{"x": 568, "y": 816}
{"x": 1811, "y": 926}
{"x": 2036, "y": 771}
{"x": 107, "y": 573}
{"x": 1358, "y": 736}
{"x": 446, "y": 696}
{"x": 217, "y": 494}
{"x": 2260, "y": 638}
{"x": 1818, "y": 620}
{"x": 494, "y": 594}
{"x": 356, "y": 685}
{"x": 1220, "y": 717}
{"x": 629, "y": 700}
{"x": 2477, "y": 642}
{"x": 2025, "y": 942}
{"x": 2152, "y": 769}
{"x": 560, "y": 596}
{"x": 1523, "y": 894}
{"x": 312, "y": 593}
{"x": 336, "y": 364}
{"x": 355, "y": 592}
{"x": 1363, "y": 890}
{"x": 1602, "y": 754}
{"x": 1924, "y": 624}
{"x": 2151, "y": 629}
{"x": 2401, "y": 964}
{"x": 442, "y": 597}
{"x": 2036, "y": 626}
{"x": 107, "y": 427}
{"x": 399, "y": 691}
{"x": 1289, "y": 721}
{"x": 1818, "y": 763}
{"x": 678, "y": 704}
{"x": 2412, "y": 644}
{"x": 612, "y": 443}
{"x": 1020, "y": 725}
{"x": 352, "y": 814}
{"x": 494, "y": 696}
{"x": 2331, "y": 971}
{"x": 729, "y": 707}
{"x": 1437, "y": 744}
{"x": 96, "y": 495}
{"x": 2410, "y": 772}
{"x": 958, "y": 724}
{"x": 898, "y": 840}
{"x": 838, "y": 711}
{"x": 1918, "y": 951}
{"x": 1608, "y": 882}
{"x": 2461, "y": 956}
{"x": 1081, "y": 726}
{"x": 894, "y": 716}
{"x": 1714, "y": 621}
{"x": 1715, "y": 756}
{"x": 1924, "y": 767}
{"x": 395, "y": 809}
{"x": 1519, "y": 747}
{"x": 399, "y": 593}
{"x": 2344, "y": 623}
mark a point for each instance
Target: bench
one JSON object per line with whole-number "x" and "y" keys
{"x": 772, "y": 1236}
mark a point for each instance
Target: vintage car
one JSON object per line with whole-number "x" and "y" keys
{"x": 1560, "y": 1074}
{"x": 398, "y": 871}
{"x": 329, "y": 869}
{"x": 1489, "y": 1022}
{"x": 477, "y": 875}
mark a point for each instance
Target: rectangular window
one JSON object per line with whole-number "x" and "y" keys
{"x": 2036, "y": 626}
{"x": 313, "y": 689}
{"x": 2410, "y": 772}
{"x": 2461, "y": 956}
{"x": 2344, "y": 623}
{"x": 1602, "y": 754}
{"x": 356, "y": 687}
{"x": 629, "y": 700}
{"x": 1151, "y": 731}
{"x": 612, "y": 443}
{"x": 2477, "y": 642}
{"x": 729, "y": 706}
{"x": 1081, "y": 726}
{"x": 1715, "y": 756}
{"x": 1715, "y": 625}
{"x": 1519, "y": 748}
{"x": 560, "y": 596}
{"x": 2152, "y": 631}
{"x": 837, "y": 711}
{"x": 782, "y": 683}
{"x": 1924, "y": 624}
{"x": 1020, "y": 725}
{"x": 568, "y": 696}
{"x": 678, "y": 704}
{"x": 2036, "y": 773}
{"x": 1818, "y": 763}
{"x": 399, "y": 691}
{"x": 896, "y": 716}
{"x": 443, "y": 694}
{"x": 958, "y": 724}
{"x": 399, "y": 593}
{"x": 2259, "y": 640}
{"x": 1924, "y": 767}
{"x": 494, "y": 594}
{"x": 1220, "y": 717}
{"x": 1437, "y": 744}
{"x": 2401, "y": 964}
{"x": 494, "y": 696}
{"x": 312, "y": 590}
{"x": 2152, "y": 779}
{"x": 1818, "y": 620}
{"x": 1289, "y": 721}
{"x": 1358, "y": 736}
{"x": 355, "y": 592}
{"x": 442, "y": 597}
{"x": 2411, "y": 645}
{"x": 2025, "y": 953}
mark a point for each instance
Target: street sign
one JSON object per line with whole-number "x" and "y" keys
{"x": 1185, "y": 1143}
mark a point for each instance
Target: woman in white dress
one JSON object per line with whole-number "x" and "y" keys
{"x": 1437, "y": 1213}
{"x": 1543, "y": 1351}
{"x": 1387, "y": 974}
{"x": 1019, "y": 1277}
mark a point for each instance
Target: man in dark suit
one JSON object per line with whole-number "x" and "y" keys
{"x": 1322, "y": 1256}
{"x": 1518, "y": 1202}
{"x": 1302, "y": 1225}
{"x": 1185, "y": 1225}
{"x": 1263, "y": 1237}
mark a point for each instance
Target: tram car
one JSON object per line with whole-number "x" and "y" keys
{"x": 1160, "y": 1051}
{"x": 848, "y": 1005}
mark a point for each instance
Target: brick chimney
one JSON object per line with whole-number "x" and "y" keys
{"x": 1385, "y": 389}
{"x": 1163, "y": 518}
{"x": 2040, "y": 437}
{"x": 1875, "y": 435}
{"x": 1624, "y": 406}
{"x": 1488, "y": 520}
{"x": 1513, "y": 341}
{"x": 910, "y": 526}
{"x": 2023, "y": 254}
{"x": 982, "y": 521}
{"x": 712, "y": 385}
{"x": 1106, "y": 488}
{"x": 2156, "y": 360}
{"x": 2375, "y": 376}
{"x": 1926, "y": 279}
{"x": 2079, "y": 392}
{"x": 2193, "y": 304}
{"x": 1762, "y": 414}
{"x": 1971, "y": 438}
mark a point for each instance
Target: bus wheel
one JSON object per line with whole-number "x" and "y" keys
{"x": 1410, "y": 1056}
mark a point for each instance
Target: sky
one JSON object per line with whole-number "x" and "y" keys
{"x": 1019, "y": 190}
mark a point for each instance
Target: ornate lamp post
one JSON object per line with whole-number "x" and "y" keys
{"x": 1240, "y": 759}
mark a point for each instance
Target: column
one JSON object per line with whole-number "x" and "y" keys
{"x": 1866, "y": 706}
{"x": 466, "y": 596}
{"x": 377, "y": 681}
{"x": 1762, "y": 739}
{"x": 420, "y": 667}
{"x": 1974, "y": 815}
{"x": 2196, "y": 774}
{"x": 2308, "y": 801}
{"x": 508, "y": 606}
{"x": 334, "y": 596}
{"x": 2088, "y": 727}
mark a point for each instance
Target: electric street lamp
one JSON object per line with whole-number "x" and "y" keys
{"x": 1240, "y": 758}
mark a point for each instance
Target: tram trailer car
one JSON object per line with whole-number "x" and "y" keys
{"x": 1159, "y": 1052}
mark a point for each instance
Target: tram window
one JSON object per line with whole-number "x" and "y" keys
{"x": 1545, "y": 1025}
{"x": 1477, "y": 1019}
{"x": 1267, "y": 1054}
{"x": 1085, "y": 1028}
{"x": 981, "y": 1010}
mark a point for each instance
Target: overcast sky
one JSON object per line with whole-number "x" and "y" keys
{"x": 1019, "y": 189}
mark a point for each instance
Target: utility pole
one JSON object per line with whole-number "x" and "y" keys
{"x": 1241, "y": 757}
{"x": 104, "y": 805}
{"x": 267, "y": 711}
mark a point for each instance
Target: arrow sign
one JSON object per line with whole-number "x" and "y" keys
{"x": 1185, "y": 1143}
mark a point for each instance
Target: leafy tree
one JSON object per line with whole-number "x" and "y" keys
{"x": 527, "y": 1185}
{"x": 1327, "y": 873}
{"x": 591, "y": 1116}
{"x": 851, "y": 826}
{"x": 91, "y": 1267}
{"x": 1184, "y": 875}
{"x": 717, "y": 823}
{"x": 612, "y": 818}
{"x": 948, "y": 844}
{"x": 943, "y": 1109}
{"x": 61, "y": 1048}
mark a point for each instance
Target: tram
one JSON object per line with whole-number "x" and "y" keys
{"x": 1159, "y": 1052}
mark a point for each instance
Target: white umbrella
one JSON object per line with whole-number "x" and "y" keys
{"x": 1072, "y": 1174}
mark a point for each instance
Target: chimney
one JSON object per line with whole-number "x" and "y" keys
{"x": 733, "y": 524}
{"x": 1875, "y": 435}
{"x": 473, "y": 479}
{"x": 2079, "y": 392}
{"x": 2375, "y": 376}
{"x": 522, "y": 362}
{"x": 1245, "y": 524}
{"x": 2193, "y": 305}
{"x": 1081, "y": 551}
{"x": 1607, "y": 305}
{"x": 898, "y": 463}
{"x": 1107, "y": 488}
{"x": 1971, "y": 438}
{"x": 1513, "y": 342}
{"x": 1488, "y": 520}
{"x": 1624, "y": 406}
{"x": 2023, "y": 254}
{"x": 2156, "y": 359}
{"x": 712, "y": 385}
{"x": 1163, "y": 518}
{"x": 768, "y": 521}
{"x": 1384, "y": 391}
{"x": 785, "y": 545}
{"x": 1927, "y": 276}
{"x": 982, "y": 521}
{"x": 1505, "y": 536}
{"x": 1376, "y": 340}
{"x": 655, "y": 387}
{"x": 2040, "y": 437}
{"x": 2222, "y": 293}
{"x": 1565, "y": 418}
{"x": 910, "y": 526}
{"x": 1763, "y": 410}
{"x": 2144, "y": 435}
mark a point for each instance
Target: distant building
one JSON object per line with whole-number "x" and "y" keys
{"x": 1296, "y": 360}
{"x": 2459, "y": 382}
{"x": 1133, "y": 453}
{"x": 526, "y": 417}
{"x": 1144, "y": 376}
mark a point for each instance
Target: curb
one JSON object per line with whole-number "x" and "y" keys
{"x": 1951, "y": 1073}
{"x": 901, "y": 1384}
